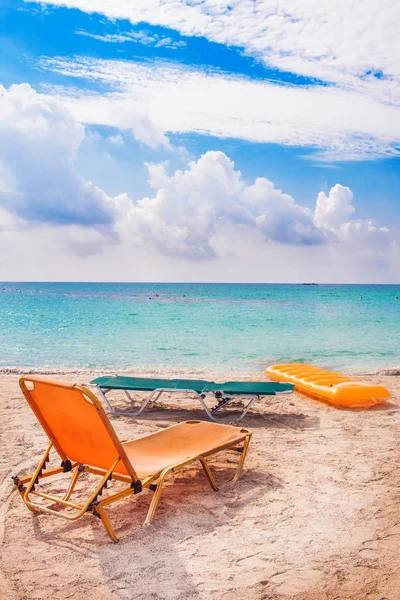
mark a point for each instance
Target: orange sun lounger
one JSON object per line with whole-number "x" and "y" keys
{"x": 81, "y": 433}
{"x": 327, "y": 386}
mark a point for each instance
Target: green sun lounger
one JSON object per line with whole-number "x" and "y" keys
{"x": 224, "y": 393}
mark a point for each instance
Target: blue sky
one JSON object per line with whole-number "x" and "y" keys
{"x": 200, "y": 138}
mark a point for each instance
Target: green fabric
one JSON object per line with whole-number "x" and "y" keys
{"x": 198, "y": 385}
{"x": 133, "y": 383}
{"x": 258, "y": 388}
{"x": 148, "y": 384}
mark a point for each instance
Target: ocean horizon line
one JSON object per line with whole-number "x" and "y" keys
{"x": 97, "y": 282}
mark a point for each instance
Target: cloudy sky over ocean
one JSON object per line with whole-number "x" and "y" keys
{"x": 173, "y": 140}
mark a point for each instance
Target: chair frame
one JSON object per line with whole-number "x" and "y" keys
{"x": 26, "y": 485}
{"x": 156, "y": 393}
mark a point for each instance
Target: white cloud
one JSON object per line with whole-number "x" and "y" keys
{"x": 56, "y": 225}
{"x": 38, "y": 180}
{"x": 334, "y": 209}
{"x": 141, "y": 37}
{"x": 155, "y": 99}
{"x": 190, "y": 208}
{"x": 197, "y": 212}
{"x": 42, "y": 254}
{"x": 143, "y": 128}
{"x": 210, "y": 211}
{"x": 117, "y": 139}
{"x": 351, "y": 44}
{"x": 372, "y": 243}
{"x": 366, "y": 236}
{"x": 362, "y": 237}
{"x": 279, "y": 217}
{"x": 39, "y": 184}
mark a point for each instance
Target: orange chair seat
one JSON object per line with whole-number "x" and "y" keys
{"x": 152, "y": 453}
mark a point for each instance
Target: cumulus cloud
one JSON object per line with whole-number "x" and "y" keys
{"x": 189, "y": 207}
{"x": 209, "y": 211}
{"x": 334, "y": 209}
{"x": 38, "y": 180}
{"x": 153, "y": 100}
{"x": 198, "y": 212}
{"x": 279, "y": 217}
{"x": 361, "y": 236}
{"x": 39, "y": 183}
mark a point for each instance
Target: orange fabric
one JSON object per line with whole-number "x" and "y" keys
{"x": 74, "y": 422}
{"x": 153, "y": 453}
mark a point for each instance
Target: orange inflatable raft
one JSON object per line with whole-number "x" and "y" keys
{"x": 327, "y": 386}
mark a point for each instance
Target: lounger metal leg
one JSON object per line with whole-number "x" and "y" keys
{"x": 157, "y": 394}
{"x": 150, "y": 398}
{"x": 26, "y": 488}
{"x": 156, "y": 497}
{"x": 35, "y": 476}
{"x": 154, "y": 400}
{"x": 103, "y": 395}
{"x": 204, "y": 464}
{"x": 160, "y": 483}
{"x": 81, "y": 509}
{"x": 247, "y": 408}
{"x": 141, "y": 408}
{"x": 208, "y": 473}
{"x": 72, "y": 484}
{"x": 201, "y": 397}
{"x": 242, "y": 458}
{"x": 127, "y": 394}
{"x": 106, "y": 522}
{"x": 210, "y": 414}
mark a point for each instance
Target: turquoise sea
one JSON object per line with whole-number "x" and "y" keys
{"x": 238, "y": 328}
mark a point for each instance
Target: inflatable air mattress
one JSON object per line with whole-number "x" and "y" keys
{"x": 327, "y": 386}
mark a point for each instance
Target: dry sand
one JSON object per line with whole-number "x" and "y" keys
{"x": 316, "y": 515}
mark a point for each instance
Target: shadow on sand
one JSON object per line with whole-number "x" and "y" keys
{"x": 188, "y": 509}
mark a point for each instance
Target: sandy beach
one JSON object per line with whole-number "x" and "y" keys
{"x": 314, "y": 517}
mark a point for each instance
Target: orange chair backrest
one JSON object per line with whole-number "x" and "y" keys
{"x": 75, "y": 420}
